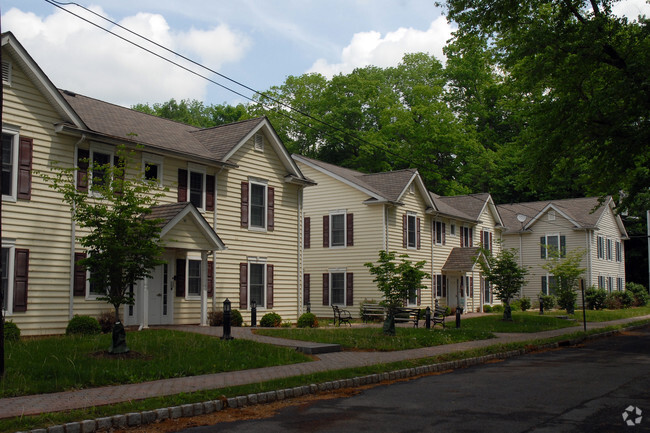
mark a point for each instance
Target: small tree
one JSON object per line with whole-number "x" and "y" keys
{"x": 396, "y": 282}
{"x": 505, "y": 274}
{"x": 567, "y": 271}
{"x": 123, "y": 244}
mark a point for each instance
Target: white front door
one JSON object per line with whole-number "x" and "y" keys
{"x": 160, "y": 296}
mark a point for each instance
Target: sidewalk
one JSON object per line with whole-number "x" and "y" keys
{"x": 61, "y": 401}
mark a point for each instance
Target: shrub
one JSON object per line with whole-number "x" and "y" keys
{"x": 12, "y": 332}
{"x": 627, "y": 299}
{"x": 286, "y": 324}
{"x": 548, "y": 301}
{"x": 639, "y": 292}
{"x": 613, "y": 301}
{"x": 308, "y": 320}
{"x": 236, "y": 318}
{"x": 271, "y": 320}
{"x": 497, "y": 308}
{"x": 106, "y": 321}
{"x": 83, "y": 325}
{"x": 487, "y": 308}
{"x": 515, "y": 305}
{"x": 215, "y": 318}
{"x": 595, "y": 298}
{"x": 566, "y": 299}
{"x": 524, "y": 303}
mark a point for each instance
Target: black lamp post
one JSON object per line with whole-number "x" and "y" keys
{"x": 226, "y": 320}
{"x": 309, "y": 307}
{"x": 253, "y": 313}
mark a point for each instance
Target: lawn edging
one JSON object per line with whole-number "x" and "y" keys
{"x": 135, "y": 419}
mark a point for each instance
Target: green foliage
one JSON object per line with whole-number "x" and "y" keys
{"x": 215, "y": 318}
{"x": 617, "y": 300}
{"x": 236, "y": 318}
{"x": 524, "y": 303}
{"x": 505, "y": 273}
{"x": 498, "y": 308}
{"x": 106, "y": 321}
{"x": 514, "y": 305}
{"x": 487, "y": 308}
{"x": 639, "y": 292}
{"x": 83, "y": 325}
{"x": 565, "y": 266}
{"x": 595, "y": 298}
{"x": 271, "y": 320}
{"x": 307, "y": 320}
{"x": 548, "y": 301}
{"x": 11, "y": 332}
{"x": 193, "y": 112}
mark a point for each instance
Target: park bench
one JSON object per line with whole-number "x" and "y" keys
{"x": 341, "y": 316}
{"x": 439, "y": 314}
{"x": 406, "y": 314}
{"x": 370, "y": 310}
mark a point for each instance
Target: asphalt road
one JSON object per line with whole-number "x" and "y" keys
{"x": 575, "y": 389}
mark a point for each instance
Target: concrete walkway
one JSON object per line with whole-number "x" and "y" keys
{"x": 61, "y": 401}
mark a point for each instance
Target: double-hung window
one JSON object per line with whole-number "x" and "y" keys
{"x": 485, "y": 240}
{"x": 549, "y": 284}
{"x": 152, "y": 167}
{"x": 9, "y": 164}
{"x": 465, "y": 237}
{"x": 337, "y": 229}
{"x": 619, "y": 252}
{"x": 337, "y": 288}
{"x": 609, "y": 249}
{"x": 7, "y": 272}
{"x": 257, "y": 284}
{"x": 101, "y": 158}
{"x": 601, "y": 247}
{"x": 552, "y": 245}
{"x": 438, "y": 232}
{"x": 193, "y": 278}
{"x": 411, "y": 231}
{"x": 258, "y": 203}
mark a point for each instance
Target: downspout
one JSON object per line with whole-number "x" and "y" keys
{"x": 73, "y": 231}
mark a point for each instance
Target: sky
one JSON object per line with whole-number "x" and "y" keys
{"x": 258, "y": 43}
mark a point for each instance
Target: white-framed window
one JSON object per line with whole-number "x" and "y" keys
{"x": 6, "y": 73}
{"x": 152, "y": 167}
{"x": 259, "y": 142}
{"x": 465, "y": 236}
{"x": 193, "y": 278}
{"x": 552, "y": 244}
{"x": 619, "y": 251}
{"x": 258, "y": 204}
{"x": 549, "y": 284}
{"x": 257, "y": 283}
{"x": 601, "y": 247}
{"x": 337, "y": 286}
{"x": 338, "y": 229}
{"x": 411, "y": 231}
{"x": 610, "y": 284}
{"x": 438, "y": 232}
{"x": 452, "y": 229}
{"x": 8, "y": 255}
{"x": 610, "y": 252}
{"x": 196, "y": 185}
{"x": 551, "y": 215}
{"x": 10, "y": 138}
{"x": 485, "y": 240}
{"x": 602, "y": 284}
{"x": 101, "y": 157}
{"x": 619, "y": 284}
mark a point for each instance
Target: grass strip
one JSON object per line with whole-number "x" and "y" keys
{"x": 49, "y": 419}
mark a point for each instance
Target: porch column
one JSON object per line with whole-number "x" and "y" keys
{"x": 145, "y": 303}
{"x": 204, "y": 288}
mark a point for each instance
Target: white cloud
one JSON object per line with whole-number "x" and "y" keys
{"x": 631, "y": 8}
{"x": 80, "y": 57}
{"x": 369, "y": 48}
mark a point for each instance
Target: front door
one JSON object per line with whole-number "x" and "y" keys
{"x": 160, "y": 296}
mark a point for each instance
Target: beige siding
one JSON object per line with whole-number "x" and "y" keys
{"x": 612, "y": 269}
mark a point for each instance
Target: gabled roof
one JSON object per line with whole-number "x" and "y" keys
{"x": 171, "y": 214}
{"x": 584, "y": 213}
{"x": 385, "y": 187}
{"x": 40, "y": 80}
{"x": 461, "y": 259}
{"x": 469, "y": 207}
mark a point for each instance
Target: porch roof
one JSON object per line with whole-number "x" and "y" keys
{"x": 172, "y": 214}
{"x": 461, "y": 259}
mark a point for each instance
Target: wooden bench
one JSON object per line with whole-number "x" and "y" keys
{"x": 369, "y": 310}
{"x": 341, "y": 316}
{"x": 406, "y": 314}
{"x": 439, "y": 314}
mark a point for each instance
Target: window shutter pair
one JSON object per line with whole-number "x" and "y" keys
{"x": 349, "y": 289}
{"x": 21, "y": 279}
{"x": 349, "y": 230}
{"x": 306, "y": 288}
{"x": 209, "y": 189}
{"x": 307, "y": 233}
{"x": 270, "y": 206}
{"x": 25, "y": 150}
{"x": 243, "y": 286}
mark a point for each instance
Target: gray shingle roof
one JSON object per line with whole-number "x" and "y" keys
{"x": 470, "y": 205}
{"x": 461, "y": 259}
{"x": 444, "y": 208}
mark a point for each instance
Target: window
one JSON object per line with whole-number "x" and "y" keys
{"x": 257, "y": 278}
{"x": 551, "y": 215}
{"x": 101, "y": 160}
{"x": 196, "y": 189}
{"x": 549, "y": 284}
{"x": 259, "y": 142}
{"x": 337, "y": 230}
{"x": 337, "y": 288}
{"x": 439, "y": 232}
{"x": 413, "y": 297}
{"x": 93, "y": 290}
{"x": 609, "y": 250}
{"x": 9, "y": 164}
{"x": 153, "y": 167}
{"x": 258, "y": 205}
{"x": 610, "y": 284}
{"x": 193, "y": 278}
{"x": 619, "y": 284}
{"x": 411, "y": 231}
{"x": 619, "y": 252}
{"x": 487, "y": 291}
{"x": 552, "y": 245}
{"x": 486, "y": 240}
{"x": 452, "y": 229}
{"x": 465, "y": 237}
{"x": 601, "y": 282}
{"x": 601, "y": 247}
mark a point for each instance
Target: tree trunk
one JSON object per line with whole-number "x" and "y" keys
{"x": 389, "y": 324}
{"x": 507, "y": 312}
{"x": 118, "y": 344}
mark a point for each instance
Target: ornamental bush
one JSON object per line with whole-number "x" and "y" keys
{"x": 524, "y": 303}
{"x": 487, "y": 308}
{"x": 595, "y": 298}
{"x": 308, "y": 320}
{"x": 12, "y": 332}
{"x": 83, "y": 325}
{"x": 548, "y": 301}
{"x": 497, "y": 308}
{"x": 639, "y": 292}
{"x": 215, "y": 318}
{"x": 236, "y": 318}
{"x": 271, "y": 320}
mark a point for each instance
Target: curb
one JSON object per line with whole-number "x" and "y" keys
{"x": 135, "y": 419}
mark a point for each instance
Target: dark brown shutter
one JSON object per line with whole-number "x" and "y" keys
{"x": 82, "y": 169}
{"x": 209, "y": 193}
{"x": 444, "y": 235}
{"x": 210, "y": 282}
{"x": 244, "y": 204}
{"x": 562, "y": 246}
{"x": 482, "y": 236}
{"x": 419, "y": 300}
{"x": 243, "y": 286}
{"x": 417, "y": 220}
{"x": 118, "y": 165}
{"x": 270, "y": 208}
{"x": 307, "y": 239}
{"x": 404, "y": 231}
{"x": 21, "y": 279}
{"x": 326, "y": 231}
{"x": 462, "y": 236}
{"x": 444, "y": 286}
{"x": 182, "y": 185}
{"x": 269, "y": 286}
{"x": 471, "y": 287}
{"x": 490, "y": 241}
{"x": 349, "y": 227}
{"x": 326, "y": 289}
{"x": 306, "y": 289}
{"x": 79, "y": 288}
{"x": 25, "y": 149}
{"x": 180, "y": 277}
{"x": 349, "y": 289}
{"x": 542, "y": 248}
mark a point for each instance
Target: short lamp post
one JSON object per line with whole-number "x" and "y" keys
{"x": 253, "y": 313}
{"x": 226, "y": 320}
{"x": 309, "y": 307}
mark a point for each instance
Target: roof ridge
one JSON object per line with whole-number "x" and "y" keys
{"x": 259, "y": 118}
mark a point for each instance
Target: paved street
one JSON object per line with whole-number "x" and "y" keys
{"x": 576, "y": 389}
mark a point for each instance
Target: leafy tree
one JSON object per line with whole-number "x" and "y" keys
{"x": 567, "y": 271}
{"x": 193, "y": 112}
{"x": 123, "y": 242}
{"x": 506, "y": 275}
{"x": 396, "y": 281}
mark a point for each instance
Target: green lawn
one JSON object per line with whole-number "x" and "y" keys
{"x": 607, "y": 315}
{"x": 374, "y": 339}
{"x": 51, "y": 364}
{"x": 521, "y": 322}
